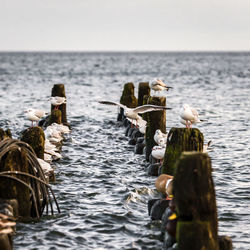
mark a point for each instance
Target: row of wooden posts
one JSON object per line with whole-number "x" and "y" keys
{"x": 193, "y": 186}
{"x": 23, "y": 186}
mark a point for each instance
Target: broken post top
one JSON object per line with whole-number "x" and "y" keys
{"x": 58, "y": 90}
{"x": 128, "y": 99}
{"x": 180, "y": 140}
{"x": 35, "y": 137}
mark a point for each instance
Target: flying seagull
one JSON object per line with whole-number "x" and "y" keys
{"x": 133, "y": 113}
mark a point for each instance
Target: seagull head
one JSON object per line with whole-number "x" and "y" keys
{"x": 185, "y": 106}
{"x": 29, "y": 111}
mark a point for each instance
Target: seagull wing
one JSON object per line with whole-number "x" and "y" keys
{"x": 149, "y": 108}
{"x": 161, "y": 83}
{"x": 39, "y": 113}
{"x": 113, "y": 103}
{"x": 194, "y": 112}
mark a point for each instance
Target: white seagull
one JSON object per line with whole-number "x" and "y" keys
{"x": 133, "y": 113}
{"x": 189, "y": 116}
{"x": 159, "y": 85}
{"x": 34, "y": 115}
{"x": 57, "y": 101}
{"x": 142, "y": 124}
{"x": 158, "y": 152}
{"x": 160, "y": 138}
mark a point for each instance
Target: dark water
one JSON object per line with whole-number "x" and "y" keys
{"x": 101, "y": 186}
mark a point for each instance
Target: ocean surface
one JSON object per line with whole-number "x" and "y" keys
{"x": 102, "y": 187}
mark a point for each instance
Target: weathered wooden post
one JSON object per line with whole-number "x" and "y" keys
{"x": 55, "y": 116}
{"x": 128, "y": 98}
{"x": 145, "y": 101}
{"x": 143, "y": 90}
{"x": 35, "y": 137}
{"x": 59, "y": 90}
{"x": 194, "y": 193}
{"x": 16, "y": 160}
{"x": 180, "y": 140}
{"x": 225, "y": 243}
{"x": 156, "y": 120}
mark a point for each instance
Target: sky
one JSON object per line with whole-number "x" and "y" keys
{"x": 124, "y": 25}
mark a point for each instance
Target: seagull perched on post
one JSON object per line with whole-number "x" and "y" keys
{"x": 34, "y": 115}
{"x": 133, "y": 113}
{"x": 57, "y": 101}
{"x": 159, "y": 85}
{"x": 160, "y": 138}
{"x": 189, "y": 116}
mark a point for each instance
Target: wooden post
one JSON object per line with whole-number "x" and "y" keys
{"x": 145, "y": 101}
{"x": 180, "y": 140}
{"x": 225, "y": 243}
{"x": 128, "y": 98}
{"x": 194, "y": 193}
{"x": 16, "y": 160}
{"x": 55, "y": 117}
{"x": 35, "y": 137}
{"x": 59, "y": 90}
{"x": 156, "y": 120}
{"x": 143, "y": 90}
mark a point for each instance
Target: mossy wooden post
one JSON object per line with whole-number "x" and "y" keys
{"x": 6, "y": 241}
{"x": 59, "y": 90}
{"x": 145, "y": 101}
{"x": 194, "y": 193}
{"x": 128, "y": 98}
{"x": 16, "y": 160}
{"x": 35, "y": 137}
{"x": 180, "y": 140}
{"x": 156, "y": 120}
{"x": 56, "y": 116}
{"x": 143, "y": 90}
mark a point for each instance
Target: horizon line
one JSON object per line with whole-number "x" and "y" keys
{"x": 124, "y": 51}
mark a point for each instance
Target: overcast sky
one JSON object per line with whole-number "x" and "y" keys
{"x": 124, "y": 25}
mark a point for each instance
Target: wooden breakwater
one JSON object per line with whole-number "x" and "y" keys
{"x": 26, "y": 168}
{"x": 188, "y": 211}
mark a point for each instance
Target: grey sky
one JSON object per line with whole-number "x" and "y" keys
{"x": 124, "y": 25}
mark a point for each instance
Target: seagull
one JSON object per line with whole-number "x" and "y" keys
{"x": 34, "y": 115}
{"x": 141, "y": 123}
{"x": 57, "y": 101}
{"x": 133, "y": 113}
{"x": 158, "y": 152}
{"x": 159, "y": 85}
{"x": 160, "y": 138}
{"x": 189, "y": 116}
